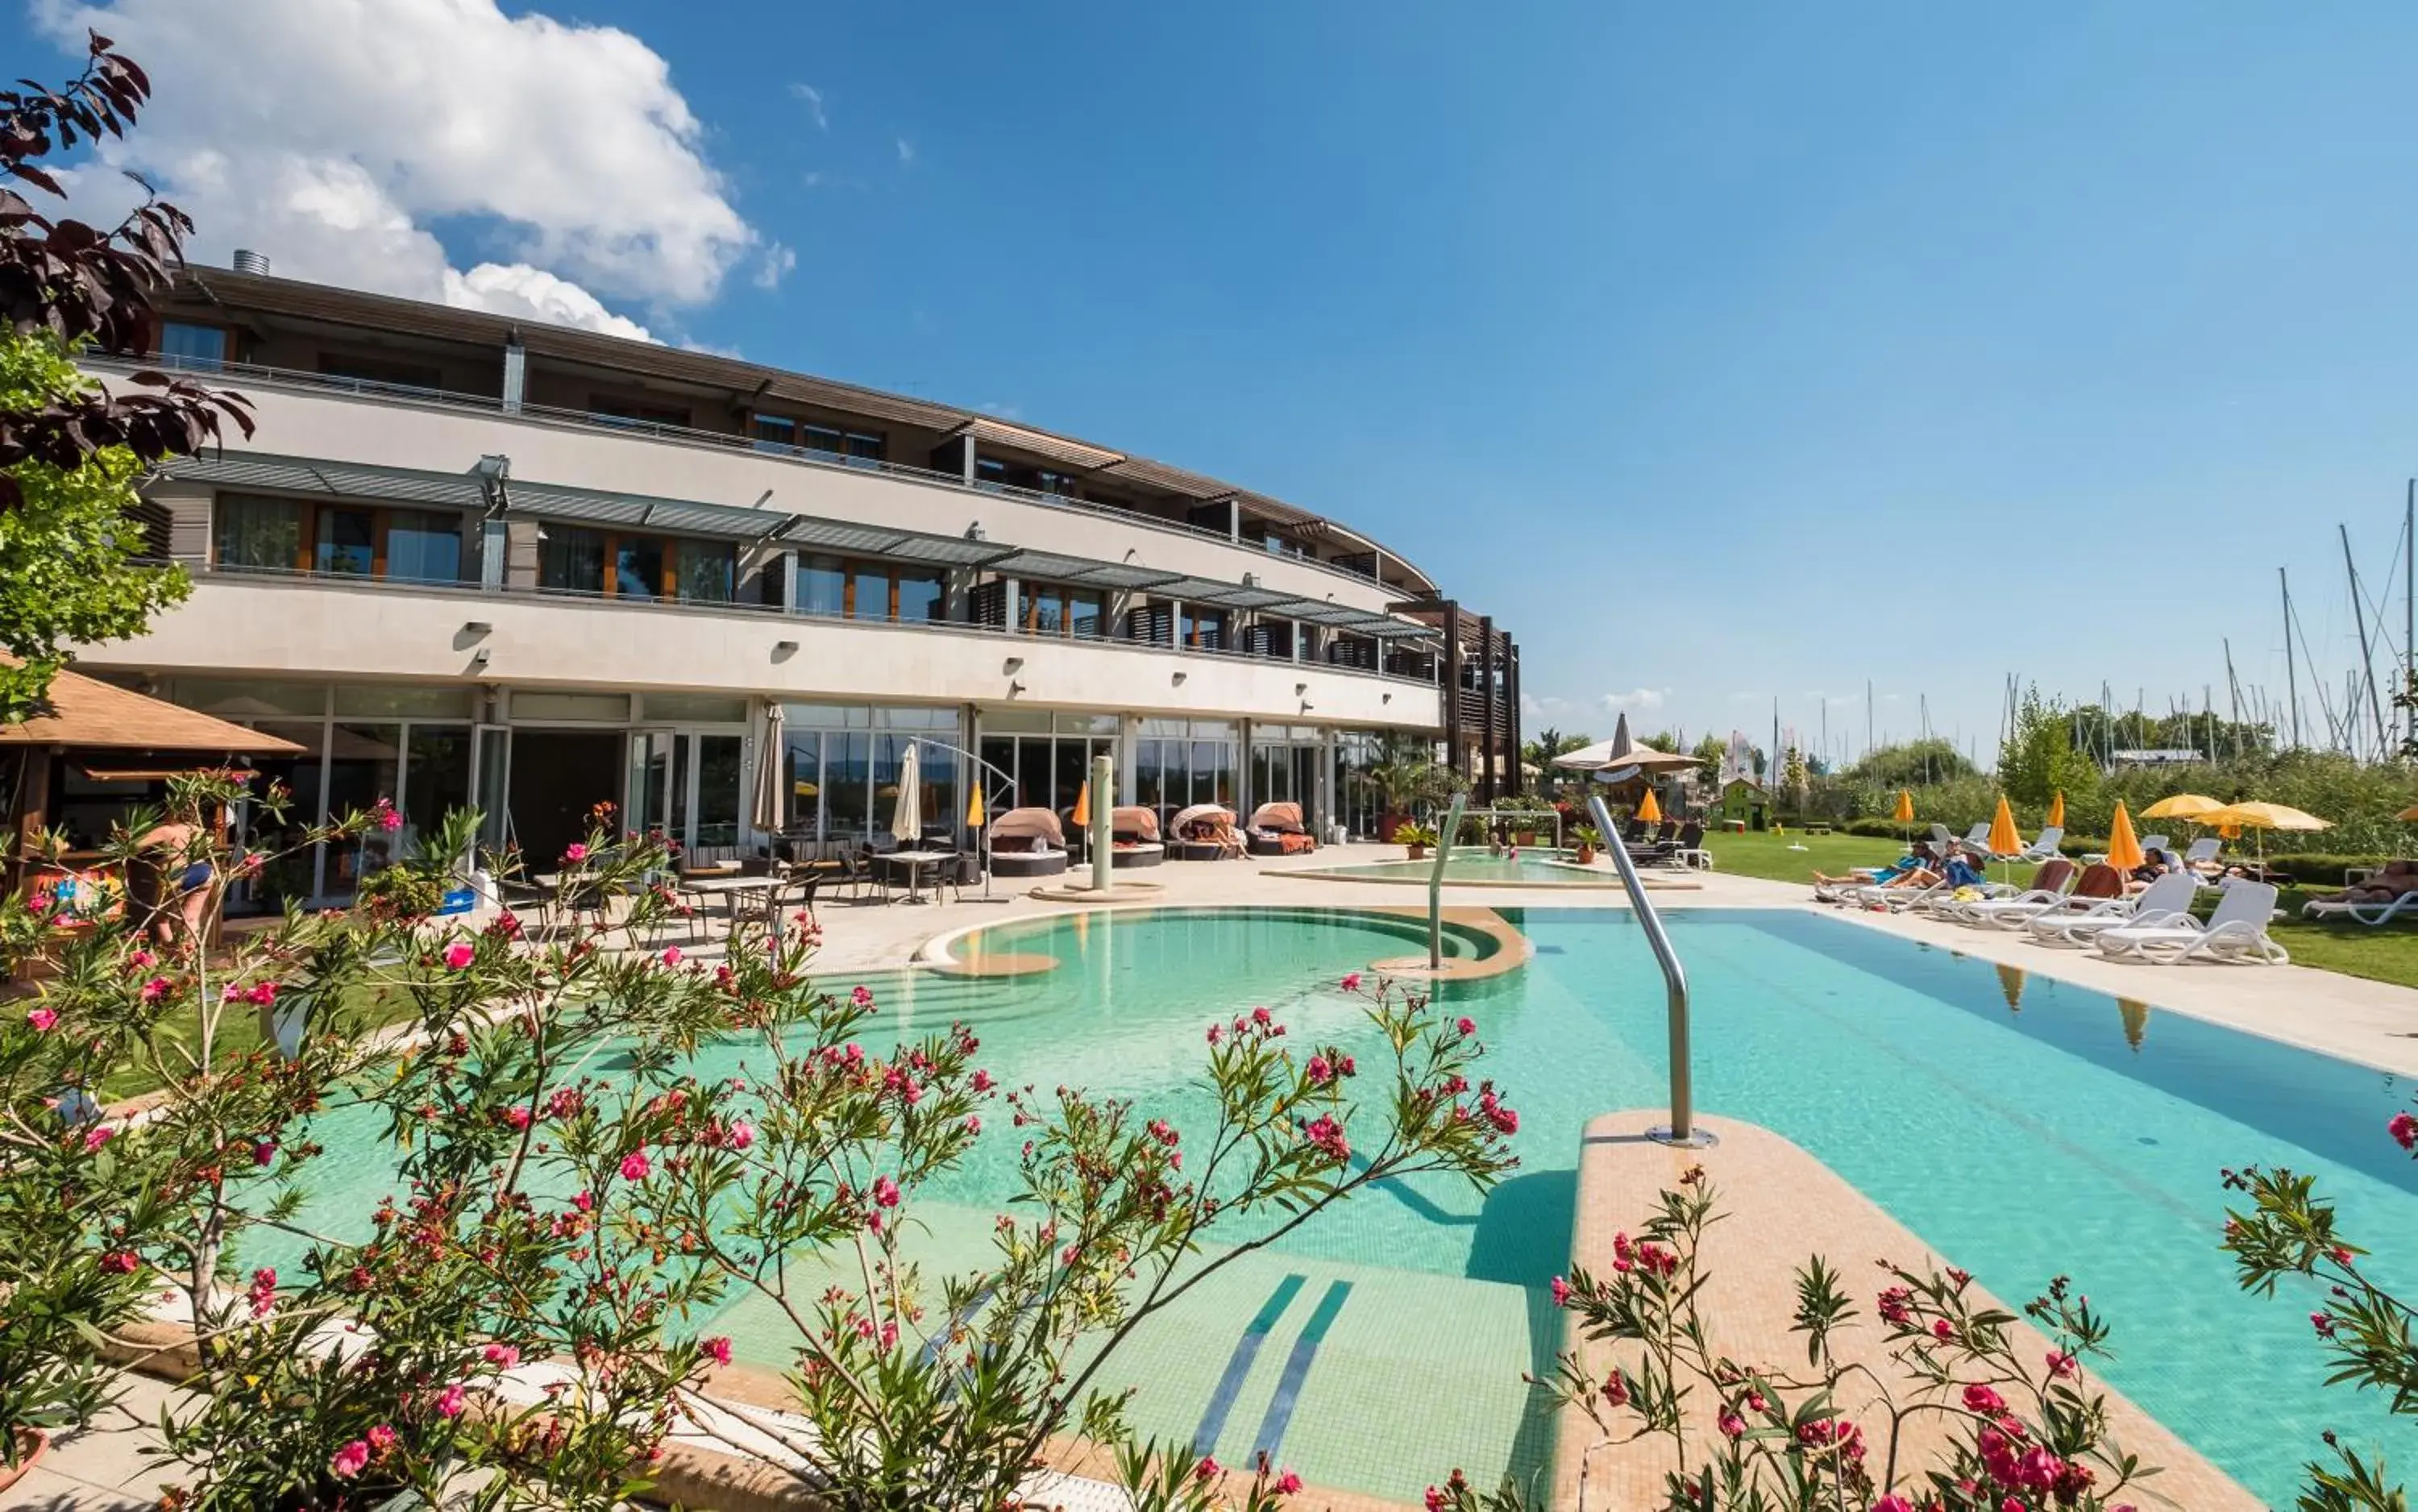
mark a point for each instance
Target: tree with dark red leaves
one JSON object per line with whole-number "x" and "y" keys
{"x": 89, "y": 288}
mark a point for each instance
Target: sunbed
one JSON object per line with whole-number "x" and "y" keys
{"x": 2044, "y": 847}
{"x": 2169, "y": 893}
{"x": 2096, "y": 884}
{"x": 2048, "y": 885}
{"x": 2237, "y": 931}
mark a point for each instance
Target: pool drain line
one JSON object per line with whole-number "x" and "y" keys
{"x": 1682, "y": 1128}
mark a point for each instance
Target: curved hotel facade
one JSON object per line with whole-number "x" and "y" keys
{"x": 466, "y": 559}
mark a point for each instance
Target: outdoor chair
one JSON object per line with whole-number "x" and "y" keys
{"x": 529, "y": 900}
{"x": 2237, "y": 931}
{"x": 2044, "y": 847}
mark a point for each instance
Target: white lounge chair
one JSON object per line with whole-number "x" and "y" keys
{"x": 1978, "y": 838}
{"x": 2237, "y": 931}
{"x": 2202, "y": 855}
{"x": 1984, "y": 911}
{"x": 2370, "y": 914}
{"x": 2170, "y": 894}
{"x": 2156, "y": 842}
{"x": 2044, "y": 848}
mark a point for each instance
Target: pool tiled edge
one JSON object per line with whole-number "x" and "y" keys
{"x": 1780, "y": 1205}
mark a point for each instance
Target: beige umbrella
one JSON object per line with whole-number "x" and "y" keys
{"x": 1621, "y": 751}
{"x": 769, "y": 761}
{"x": 2262, "y": 816}
{"x": 907, "y": 820}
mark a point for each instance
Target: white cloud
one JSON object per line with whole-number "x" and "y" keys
{"x": 1551, "y": 705}
{"x": 1643, "y": 700}
{"x": 814, "y": 99}
{"x": 1001, "y": 409}
{"x": 330, "y": 134}
{"x": 906, "y": 151}
{"x": 779, "y": 260}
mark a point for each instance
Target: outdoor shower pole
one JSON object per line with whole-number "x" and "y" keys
{"x": 1104, "y": 775}
{"x": 1683, "y": 1130}
{"x": 1435, "y": 882}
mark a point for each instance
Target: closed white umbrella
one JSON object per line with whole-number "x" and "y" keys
{"x": 770, "y": 788}
{"x": 907, "y": 820}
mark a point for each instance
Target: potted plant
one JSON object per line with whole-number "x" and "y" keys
{"x": 1418, "y": 837}
{"x": 1406, "y": 776}
{"x": 1585, "y": 838}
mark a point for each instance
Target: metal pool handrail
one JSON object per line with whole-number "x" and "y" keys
{"x": 1682, "y": 1130}
{"x": 1435, "y": 882}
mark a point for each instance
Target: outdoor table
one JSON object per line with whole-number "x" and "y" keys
{"x": 739, "y": 890}
{"x": 914, "y": 861}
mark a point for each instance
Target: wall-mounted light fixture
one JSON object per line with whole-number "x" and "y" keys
{"x": 1014, "y": 688}
{"x": 1306, "y": 706}
{"x": 480, "y": 657}
{"x": 1012, "y": 666}
{"x": 1387, "y": 698}
{"x": 476, "y": 627}
{"x": 1300, "y": 688}
{"x": 1180, "y": 677}
{"x": 785, "y": 648}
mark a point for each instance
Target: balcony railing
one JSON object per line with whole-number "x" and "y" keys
{"x": 247, "y": 372}
{"x": 770, "y": 612}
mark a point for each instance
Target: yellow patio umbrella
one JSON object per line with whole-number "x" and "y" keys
{"x": 2262, "y": 817}
{"x": 2004, "y": 841}
{"x": 2124, "y": 846}
{"x": 1904, "y": 814}
{"x": 2188, "y": 806}
{"x": 974, "y": 808}
{"x": 1083, "y": 805}
{"x": 2057, "y": 810}
{"x": 1651, "y": 811}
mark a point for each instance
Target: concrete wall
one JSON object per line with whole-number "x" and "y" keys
{"x": 239, "y": 626}
{"x": 334, "y": 427}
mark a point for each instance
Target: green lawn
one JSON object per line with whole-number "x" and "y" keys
{"x": 2386, "y": 954}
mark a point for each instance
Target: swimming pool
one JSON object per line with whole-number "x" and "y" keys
{"x": 2022, "y": 1128}
{"x": 1470, "y": 869}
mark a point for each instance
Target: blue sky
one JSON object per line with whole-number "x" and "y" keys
{"x": 1723, "y": 352}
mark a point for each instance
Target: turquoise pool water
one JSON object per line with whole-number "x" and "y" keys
{"x": 1524, "y": 871}
{"x": 2022, "y": 1128}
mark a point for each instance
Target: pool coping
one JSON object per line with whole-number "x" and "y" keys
{"x": 1512, "y": 950}
{"x": 1597, "y": 878}
{"x": 1781, "y": 1204}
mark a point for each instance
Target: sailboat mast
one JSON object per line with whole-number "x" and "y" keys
{"x": 2291, "y": 674}
{"x": 2366, "y": 648}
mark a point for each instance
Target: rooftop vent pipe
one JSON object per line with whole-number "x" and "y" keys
{"x": 247, "y": 261}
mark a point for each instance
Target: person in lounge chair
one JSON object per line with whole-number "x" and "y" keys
{"x": 2397, "y": 877}
{"x": 1962, "y": 873}
{"x": 2154, "y": 865}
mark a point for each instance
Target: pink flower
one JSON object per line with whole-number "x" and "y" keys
{"x": 1288, "y": 1484}
{"x": 1982, "y": 1398}
{"x": 120, "y": 1262}
{"x": 139, "y": 959}
{"x": 585, "y": 1202}
{"x": 382, "y": 1438}
{"x": 1207, "y": 1469}
{"x": 717, "y": 1349}
{"x": 742, "y": 1134}
{"x": 1437, "y": 1500}
{"x": 574, "y": 852}
{"x": 450, "y": 1401}
{"x": 2323, "y": 1325}
{"x": 155, "y": 990}
{"x": 1351, "y": 982}
{"x": 503, "y": 1356}
{"x": 350, "y": 1460}
{"x": 672, "y": 956}
{"x": 2404, "y": 1130}
{"x": 387, "y": 820}
{"x": 1893, "y": 1504}
{"x": 974, "y": 1123}
{"x": 885, "y": 1191}
{"x": 2061, "y": 1363}
{"x": 1941, "y": 1330}
{"x": 263, "y": 1291}
{"x": 1730, "y": 1425}
{"x": 1320, "y": 1072}
{"x": 1467, "y": 1026}
{"x": 1214, "y": 1033}
{"x": 458, "y": 955}
{"x": 43, "y": 1020}
{"x": 263, "y": 994}
{"x": 634, "y": 1166}
{"x": 264, "y": 1152}
{"x": 1561, "y": 1292}
{"x": 99, "y": 1135}
{"x": 861, "y": 996}
{"x": 982, "y": 1083}
{"x": 517, "y": 1116}
{"x": 1261, "y": 1016}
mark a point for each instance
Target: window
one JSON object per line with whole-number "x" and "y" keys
{"x": 1045, "y": 609}
{"x": 187, "y": 346}
{"x": 823, "y": 438}
{"x": 773, "y": 434}
{"x": 1203, "y": 629}
{"x": 822, "y": 586}
{"x": 919, "y": 595}
{"x": 572, "y": 560}
{"x": 261, "y": 533}
{"x": 1086, "y": 612}
{"x": 709, "y": 572}
{"x": 867, "y": 448}
{"x": 378, "y": 373}
{"x": 605, "y": 407}
{"x": 348, "y": 544}
{"x": 637, "y": 567}
{"x": 424, "y": 547}
{"x": 779, "y": 433}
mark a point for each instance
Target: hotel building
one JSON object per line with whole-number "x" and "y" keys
{"x": 470, "y": 559}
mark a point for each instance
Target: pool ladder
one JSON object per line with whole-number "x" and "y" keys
{"x": 1682, "y": 1128}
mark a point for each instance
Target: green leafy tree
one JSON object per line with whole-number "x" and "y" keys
{"x": 70, "y": 571}
{"x": 1710, "y": 752}
{"x": 1912, "y": 764}
{"x": 2038, "y": 759}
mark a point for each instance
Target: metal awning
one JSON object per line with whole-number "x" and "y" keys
{"x": 1081, "y": 571}
{"x": 297, "y": 475}
{"x": 1225, "y": 595}
{"x": 886, "y": 541}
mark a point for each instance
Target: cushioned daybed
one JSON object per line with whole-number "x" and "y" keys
{"x": 1204, "y": 832}
{"x": 1277, "y": 830}
{"x": 1027, "y": 841}
{"x": 1135, "y": 842}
